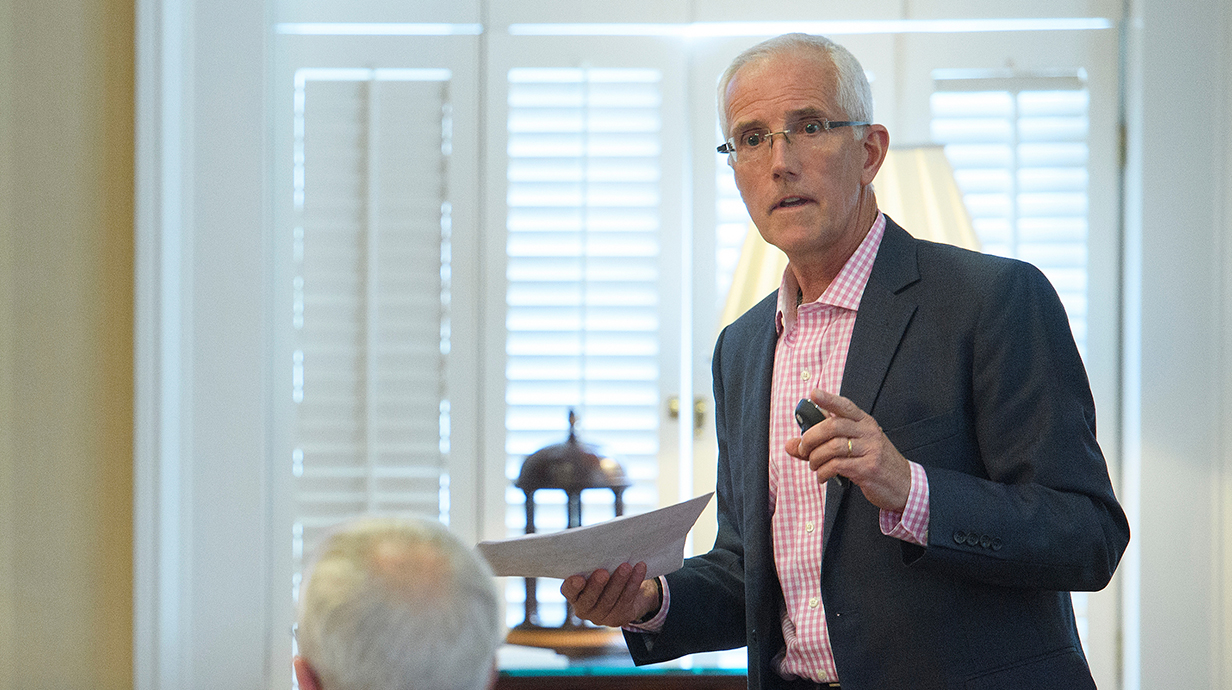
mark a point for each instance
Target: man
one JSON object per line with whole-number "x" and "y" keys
{"x": 927, "y": 533}
{"x": 397, "y": 605}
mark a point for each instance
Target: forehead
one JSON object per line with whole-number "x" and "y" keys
{"x": 765, "y": 91}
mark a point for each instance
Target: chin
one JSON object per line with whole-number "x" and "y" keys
{"x": 789, "y": 239}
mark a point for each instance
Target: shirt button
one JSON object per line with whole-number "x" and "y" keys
{"x": 808, "y": 527}
{"x": 813, "y": 602}
{"x": 805, "y": 375}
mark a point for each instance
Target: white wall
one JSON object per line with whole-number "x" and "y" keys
{"x": 201, "y": 589}
{"x": 1177, "y": 308}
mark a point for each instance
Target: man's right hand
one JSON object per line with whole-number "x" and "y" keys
{"x": 614, "y": 599}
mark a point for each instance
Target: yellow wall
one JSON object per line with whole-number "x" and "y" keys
{"x": 66, "y": 346}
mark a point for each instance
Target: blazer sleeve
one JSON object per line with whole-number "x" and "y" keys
{"x": 707, "y": 593}
{"x": 1035, "y": 509}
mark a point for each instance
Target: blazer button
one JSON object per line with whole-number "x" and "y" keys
{"x": 996, "y": 544}
{"x": 960, "y": 537}
{"x": 985, "y": 541}
{"x": 973, "y": 539}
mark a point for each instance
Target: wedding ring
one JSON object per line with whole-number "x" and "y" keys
{"x": 850, "y": 452}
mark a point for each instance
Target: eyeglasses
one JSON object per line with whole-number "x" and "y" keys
{"x": 754, "y": 146}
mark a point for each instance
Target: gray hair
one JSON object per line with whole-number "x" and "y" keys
{"x": 398, "y": 604}
{"x": 855, "y": 96}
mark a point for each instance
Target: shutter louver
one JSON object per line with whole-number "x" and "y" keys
{"x": 371, "y": 296}
{"x": 1019, "y": 153}
{"x": 583, "y": 282}
{"x": 732, "y": 223}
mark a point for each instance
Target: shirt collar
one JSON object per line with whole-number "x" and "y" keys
{"x": 847, "y": 287}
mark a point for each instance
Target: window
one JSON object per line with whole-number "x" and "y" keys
{"x": 583, "y": 326}
{"x": 731, "y": 227}
{"x": 1018, "y": 146}
{"x": 370, "y": 309}
{"x": 374, "y": 264}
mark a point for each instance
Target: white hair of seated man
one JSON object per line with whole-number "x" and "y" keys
{"x": 397, "y": 604}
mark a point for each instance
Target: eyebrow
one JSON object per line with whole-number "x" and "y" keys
{"x": 791, "y": 116}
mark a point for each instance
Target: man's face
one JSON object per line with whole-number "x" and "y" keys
{"x": 804, "y": 200}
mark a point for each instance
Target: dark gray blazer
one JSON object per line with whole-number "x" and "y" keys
{"x": 968, "y": 364}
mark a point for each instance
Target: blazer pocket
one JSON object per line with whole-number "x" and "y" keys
{"x": 1064, "y": 669}
{"x": 924, "y": 432}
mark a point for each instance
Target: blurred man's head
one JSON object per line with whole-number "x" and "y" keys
{"x": 397, "y": 604}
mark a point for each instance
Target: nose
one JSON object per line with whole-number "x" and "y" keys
{"x": 782, "y": 158}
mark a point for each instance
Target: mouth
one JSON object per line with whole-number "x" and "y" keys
{"x": 791, "y": 202}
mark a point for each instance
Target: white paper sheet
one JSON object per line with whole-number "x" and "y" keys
{"x": 656, "y": 537}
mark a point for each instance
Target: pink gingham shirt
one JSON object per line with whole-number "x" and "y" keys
{"x": 812, "y": 353}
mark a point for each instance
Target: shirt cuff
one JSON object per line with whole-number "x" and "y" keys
{"x": 655, "y": 624}
{"x": 911, "y": 525}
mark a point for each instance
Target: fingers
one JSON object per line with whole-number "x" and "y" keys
{"x": 832, "y": 437}
{"x": 855, "y": 449}
{"x": 610, "y": 597}
{"x": 572, "y": 586}
{"x": 832, "y": 458}
{"x": 586, "y": 598}
{"x": 833, "y": 446}
{"x": 837, "y": 405}
{"x": 606, "y": 598}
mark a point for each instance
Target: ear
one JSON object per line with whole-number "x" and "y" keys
{"x": 304, "y": 674}
{"x": 876, "y": 143}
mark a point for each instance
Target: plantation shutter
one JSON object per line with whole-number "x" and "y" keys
{"x": 1018, "y": 146}
{"x": 732, "y": 223}
{"x": 371, "y": 260}
{"x": 583, "y": 275}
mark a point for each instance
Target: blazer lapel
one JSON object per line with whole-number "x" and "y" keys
{"x": 760, "y": 368}
{"x": 882, "y": 319}
{"x": 880, "y": 324}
